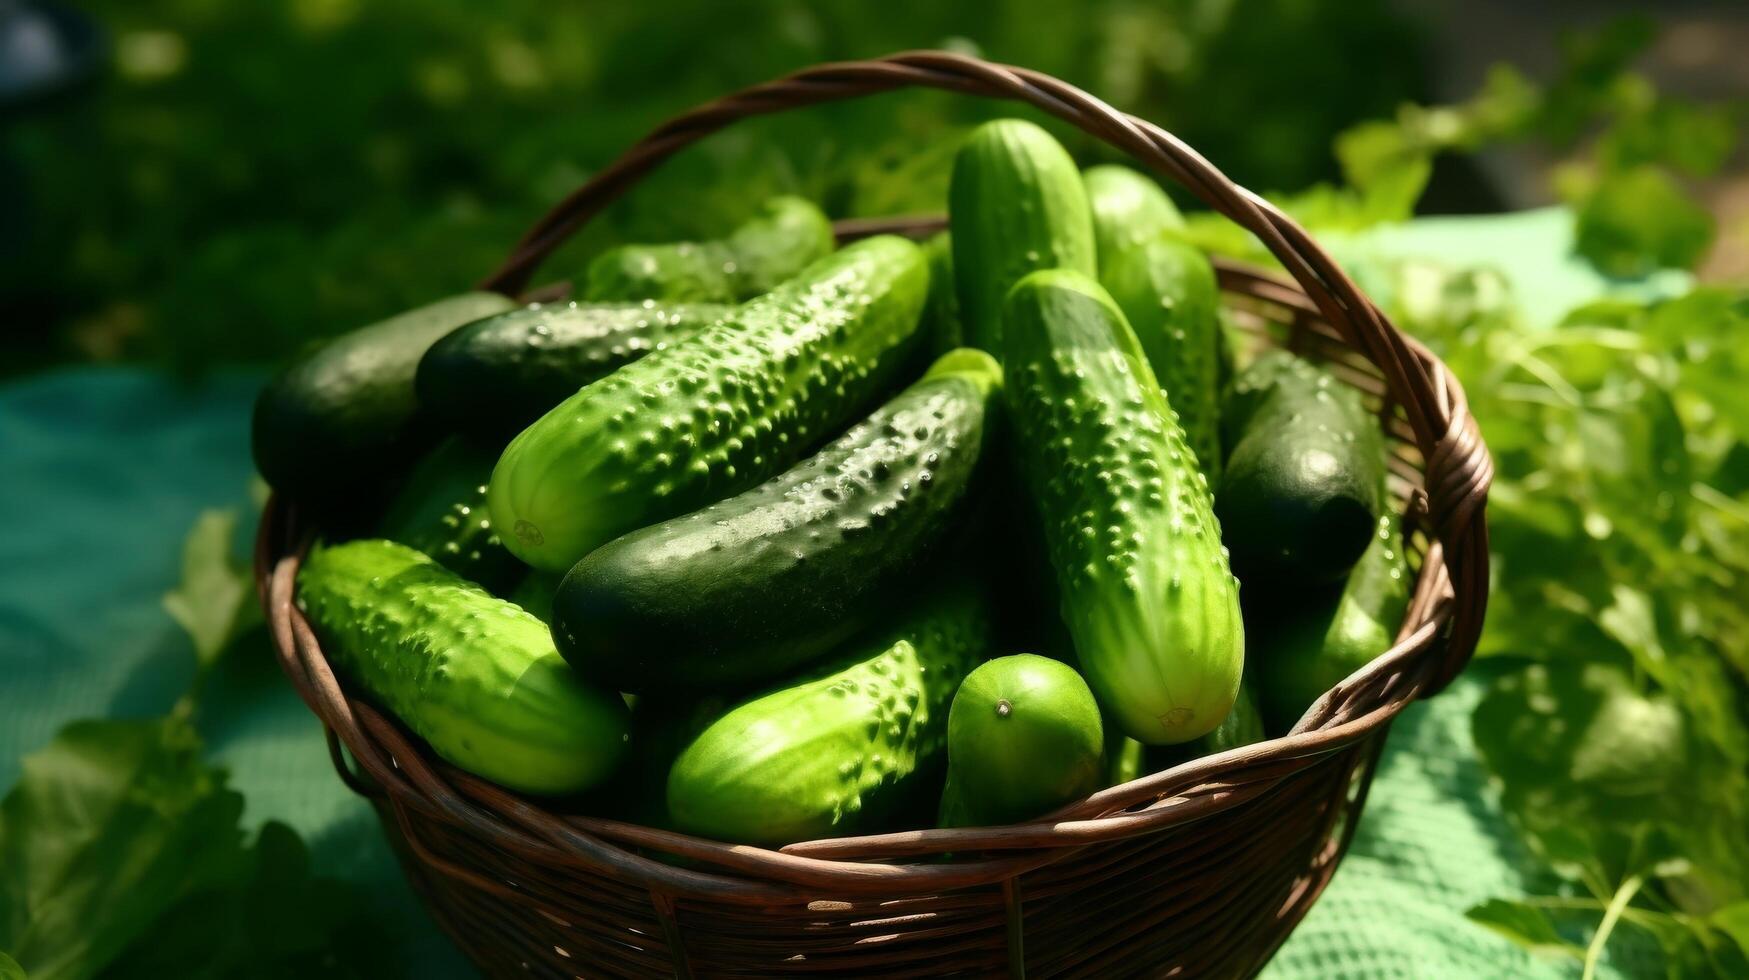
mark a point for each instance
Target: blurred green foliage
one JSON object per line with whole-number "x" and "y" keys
{"x": 253, "y": 175}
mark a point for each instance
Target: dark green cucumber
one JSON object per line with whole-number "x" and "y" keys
{"x": 1128, "y": 210}
{"x": 473, "y": 675}
{"x": 1146, "y": 592}
{"x": 1024, "y": 737}
{"x": 498, "y": 374}
{"x": 835, "y": 754}
{"x": 1166, "y": 289}
{"x": 441, "y": 510}
{"x": 1304, "y": 480}
{"x": 765, "y": 581}
{"x": 1308, "y": 643}
{"x": 785, "y": 236}
{"x": 941, "y": 315}
{"x": 715, "y": 413}
{"x": 340, "y": 421}
{"x": 1016, "y": 204}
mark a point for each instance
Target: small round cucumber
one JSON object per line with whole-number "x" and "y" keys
{"x": 1024, "y": 736}
{"x": 473, "y": 675}
{"x": 1146, "y": 592}
{"x": 777, "y": 576}
{"x": 340, "y": 421}
{"x": 498, "y": 374}
{"x": 778, "y": 242}
{"x": 1304, "y": 480}
{"x": 838, "y": 753}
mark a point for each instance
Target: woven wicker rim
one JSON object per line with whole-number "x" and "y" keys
{"x": 1438, "y": 634}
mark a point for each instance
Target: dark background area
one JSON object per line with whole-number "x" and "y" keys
{"x": 240, "y": 178}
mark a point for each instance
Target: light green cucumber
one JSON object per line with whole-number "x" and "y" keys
{"x": 473, "y": 675}
{"x": 1146, "y": 592}
{"x": 1166, "y": 289}
{"x": 838, "y": 753}
{"x": 1128, "y": 210}
{"x": 1016, "y": 204}
{"x": 785, "y": 236}
{"x": 716, "y": 412}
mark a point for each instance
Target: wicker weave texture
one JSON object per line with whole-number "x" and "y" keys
{"x": 1200, "y": 870}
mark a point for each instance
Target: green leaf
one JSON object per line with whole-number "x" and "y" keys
{"x": 109, "y": 825}
{"x": 215, "y": 601}
{"x": 10, "y": 970}
{"x": 1638, "y": 220}
{"x": 274, "y": 919}
{"x": 1525, "y": 925}
{"x": 1733, "y": 921}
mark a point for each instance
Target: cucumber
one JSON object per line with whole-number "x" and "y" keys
{"x": 1016, "y": 204}
{"x": 441, "y": 510}
{"x": 1024, "y": 736}
{"x": 498, "y": 374}
{"x": 1242, "y": 726}
{"x": 1146, "y": 592}
{"x": 715, "y": 413}
{"x": 1166, "y": 289}
{"x": 474, "y": 676}
{"x": 1128, "y": 210}
{"x": 1307, "y": 644}
{"x": 779, "y": 575}
{"x": 785, "y": 236}
{"x": 838, "y": 753}
{"x": 1304, "y": 480}
{"x": 941, "y": 314}
{"x": 337, "y": 423}
{"x": 1125, "y": 758}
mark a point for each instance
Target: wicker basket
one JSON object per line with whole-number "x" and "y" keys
{"x": 1201, "y": 869}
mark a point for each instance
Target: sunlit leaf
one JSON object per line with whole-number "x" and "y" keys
{"x": 1525, "y": 925}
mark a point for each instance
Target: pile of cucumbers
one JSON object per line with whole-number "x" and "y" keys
{"x": 765, "y": 539}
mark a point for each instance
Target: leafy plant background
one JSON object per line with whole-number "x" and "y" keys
{"x": 253, "y": 177}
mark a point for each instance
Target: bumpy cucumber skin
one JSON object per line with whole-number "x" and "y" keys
{"x": 441, "y": 510}
{"x": 1304, "y": 480}
{"x": 941, "y": 314}
{"x": 343, "y": 417}
{"x": 1306, "y": 644}
{"x": 1016, "y": 204}
{"x": 1166, "y": 289}
{"x": 785, "y": 236}
{"x": 777, "y": 576}
{"x": 716, "y": 413}
{"x": 474, "y": 676}
{"x": 1128, "y": 210}
{"x": 1024, "y": 736}
{"x": 836, "y": 754}
{"x": 1146, "y": 591}
{"x": 498, "y": 374}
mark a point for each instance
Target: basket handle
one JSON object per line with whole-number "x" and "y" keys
{"x": 1458, "y": 469}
